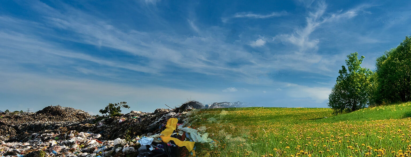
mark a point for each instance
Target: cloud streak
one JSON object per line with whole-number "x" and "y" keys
{"x": 230, "y": 89}
{"x": 251, "y": 15}
{"x": 258, "y": 43}
{"x": 301, "y": 36}
{"x": 259, "y": 16}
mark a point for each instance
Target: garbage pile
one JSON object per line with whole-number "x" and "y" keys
{"x": 60, "y": 131}
{"x": 17, "y": 127}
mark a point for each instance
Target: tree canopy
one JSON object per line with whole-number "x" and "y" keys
{"x": 394, "y": 79}
{"x": 114, "y": 109}
{"x": 351, "y": 91}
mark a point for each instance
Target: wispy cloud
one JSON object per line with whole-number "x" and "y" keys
{"x": 259, "y": 16}
{"x": 258, "y": 43}
{"x": 254, "y": 15}
{"x": 319, "y": 94}
{"x": 13, "y": 43}
{"x": 151, "y": 1}
{"x": 206, "y": 53}
{"x": 193, "y": 26}
{"x": 301, "y": 36}
{"x": 230, "y": 89}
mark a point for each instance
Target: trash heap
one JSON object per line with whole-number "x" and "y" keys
{"x": 60, "y": 131}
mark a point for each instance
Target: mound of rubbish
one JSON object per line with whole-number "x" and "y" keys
{"x": 64, "y": 131}
{"x": 64, "y": 113}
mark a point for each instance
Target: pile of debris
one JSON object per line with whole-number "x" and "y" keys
{"x": 57, "y": 130}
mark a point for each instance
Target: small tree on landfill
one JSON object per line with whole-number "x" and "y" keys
{"x": 7, "y": 111}
{"x": 351, "y": 92}
{"x": 114, "y": 109}
{"x": 16, "y": 112}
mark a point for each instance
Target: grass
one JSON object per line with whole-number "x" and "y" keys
{"x": 378, "y": 131}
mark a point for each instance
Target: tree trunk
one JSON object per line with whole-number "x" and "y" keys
{"x": 354, "y": 106}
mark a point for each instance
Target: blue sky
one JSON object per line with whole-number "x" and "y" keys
{"x": 86, "y": 54}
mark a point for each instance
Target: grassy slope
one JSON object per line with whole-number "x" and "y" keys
{"x": 285, "y": 131}
{"x": 396, "y": 111}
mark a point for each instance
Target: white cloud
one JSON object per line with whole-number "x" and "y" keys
{"x": 230, "y": 89}
{"x": 306, "y": 3}
{"x": 25, "y": 45}
{"x": 207, "y": 52}
{"x": 259, "y": 16}
{"x": 319, "y": 94}
{"x": 151, "y": 1}
{"x": 301, "y": 36}
{"x": 193, "y": 26}
{"x": 258, "y": 43}
{"x": 254, "y": 16}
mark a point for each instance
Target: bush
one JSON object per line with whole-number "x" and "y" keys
{"x": 114, "y": 109}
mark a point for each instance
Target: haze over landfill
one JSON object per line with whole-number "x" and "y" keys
{"x": 154, "y": 52}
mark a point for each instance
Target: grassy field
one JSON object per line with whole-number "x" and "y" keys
{"x": 378, "y": 131}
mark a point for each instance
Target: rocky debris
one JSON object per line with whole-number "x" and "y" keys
{"x": 64, "y": 131}
{"x": 226, "y": 105}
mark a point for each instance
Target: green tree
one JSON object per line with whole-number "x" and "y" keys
{"x": 351, "y": 91}
{"x": 373, "y": 90}
{"x": 21, "y": 111}
{"x": 394, "y": 78}
{"x": 114, "y": 109}
{"x": 7, "y": 111}
{"x": 15, "y": 112}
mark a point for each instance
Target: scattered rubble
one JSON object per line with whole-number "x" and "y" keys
{"x": 64, "y": 131}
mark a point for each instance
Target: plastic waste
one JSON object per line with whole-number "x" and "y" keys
{"x": 202, "y": 128}
{"x": 170, "y": 127}
{"x": 119, "y": 141}
{"x": 146, "y": 141}
{"x": 97, "y": 136}
{"x": 118, "y": 149}
{"x": 194, "y": 135}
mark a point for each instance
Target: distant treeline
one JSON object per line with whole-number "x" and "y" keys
{"x": 359, "y": 87}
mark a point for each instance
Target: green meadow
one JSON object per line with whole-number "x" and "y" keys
{"x": 377, "y": 131}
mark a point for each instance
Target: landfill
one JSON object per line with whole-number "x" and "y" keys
{"x": 65, "y": 131}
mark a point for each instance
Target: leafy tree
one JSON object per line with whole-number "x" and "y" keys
{"x": 114, "y": 109}
{"x": 373, "y": 90}
{"x": 351, "y": 92}
{"x": 394, "y": 78}
{"x": 21, "y": 111}
{"x": 7, "y": 111}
